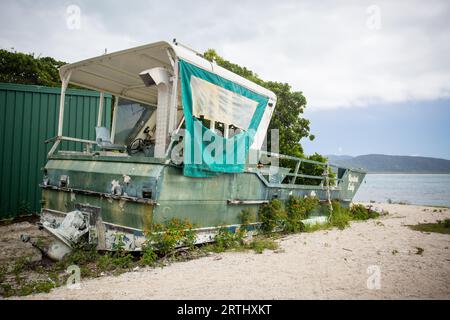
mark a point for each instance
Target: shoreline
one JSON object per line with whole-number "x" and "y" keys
{"x": 411, "y": 173}
{"x": 403, "y": 204}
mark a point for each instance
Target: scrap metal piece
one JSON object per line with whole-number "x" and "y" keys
{"x": 68, "y": 232}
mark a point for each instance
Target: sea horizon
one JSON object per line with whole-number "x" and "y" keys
{"x": 410, "y": 188}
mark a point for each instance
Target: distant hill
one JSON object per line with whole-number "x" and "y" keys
{"x": 333, "y": 157}
{"x": 381, "y": 163}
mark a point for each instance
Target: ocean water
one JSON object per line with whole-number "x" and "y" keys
{"x": 422, "y": 189}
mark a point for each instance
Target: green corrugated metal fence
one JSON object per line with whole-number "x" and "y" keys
{"x": 28, "y": 116}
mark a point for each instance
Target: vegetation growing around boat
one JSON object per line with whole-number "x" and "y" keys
{"x": 174, "y": 241}
{"x": 290, "y": 218}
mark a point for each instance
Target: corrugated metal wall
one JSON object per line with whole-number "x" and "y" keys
{"x": 28, "y": 116}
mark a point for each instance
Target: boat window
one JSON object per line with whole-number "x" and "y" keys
{"x": 131, "y": 117}
{"x": 218, "y": 104}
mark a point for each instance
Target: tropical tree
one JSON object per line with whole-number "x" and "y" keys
{"x": 17, "y": 67}
{"x": 290, "y": 106}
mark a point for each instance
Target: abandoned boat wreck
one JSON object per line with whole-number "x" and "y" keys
{"x": 186, "y": 141}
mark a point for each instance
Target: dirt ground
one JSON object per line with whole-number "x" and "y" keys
{"x": 374, "y": 259}
{"x": 13, "y": 248}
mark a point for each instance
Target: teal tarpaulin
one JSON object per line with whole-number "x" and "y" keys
{"x": 207, "y": 153}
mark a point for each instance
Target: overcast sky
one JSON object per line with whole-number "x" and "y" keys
{"x": 374, "y": 57}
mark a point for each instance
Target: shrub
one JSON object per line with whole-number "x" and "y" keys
{"x": 104, "y": 263}
{"x": 165, "y": 238}
{"x": 227, "y": 239}
{"x": 373, "y": 214}
{"x": 259, "y": 245}
{"x": 149, "y": 256}
{"x": 35, "y": 287}
{"x": 297, "y": 209}
{"x": 246, "y": 216}
{"x": 340, "y": 217}
{"x": 80, "y": 255}
{"x": 119, "y": 243}
{"x": 359, "y": 212}
{"x": 272, "y": 216}
{"x": 112, "y": 260}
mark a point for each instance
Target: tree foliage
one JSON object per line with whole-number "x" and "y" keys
{"x": 290, "y": 106}
{"x": 17, "y": 67}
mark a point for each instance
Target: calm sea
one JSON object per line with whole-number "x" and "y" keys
{"x": 425, "y": 189}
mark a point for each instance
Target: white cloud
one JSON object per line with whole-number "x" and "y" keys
{"x": 323, "y": 49}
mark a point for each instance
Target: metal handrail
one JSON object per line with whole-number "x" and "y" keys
{"x": 296, "y": 173}
{"x": 283, "y": 156}
{"x": 60, "y": 138}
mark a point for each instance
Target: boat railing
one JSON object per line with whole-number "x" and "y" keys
{"x": 57, "y": 140}
{"x": 330, "y": 174}
{"x": 330, "y": 171}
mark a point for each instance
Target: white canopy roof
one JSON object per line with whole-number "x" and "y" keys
{"x": 118, "y": 72}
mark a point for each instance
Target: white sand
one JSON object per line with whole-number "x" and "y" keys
{"x": 325, "y": 264}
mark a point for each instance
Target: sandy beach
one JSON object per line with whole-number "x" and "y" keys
{"x": 375, "y": 259}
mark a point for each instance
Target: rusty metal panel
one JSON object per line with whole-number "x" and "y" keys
{"x": 28, "y": 116}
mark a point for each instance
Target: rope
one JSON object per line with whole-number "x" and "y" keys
{"x": 327, "y": 182}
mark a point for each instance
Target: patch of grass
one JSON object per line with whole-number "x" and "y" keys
{"x": 21, "y": 265}
{"x": 122, "y": 260}
{"x": 419, "y": 250}
{"x": 104, "y": 263}
{"x": 340, "y": 217}
{"x": 15, "y": 280}
{"x": 149, "y": 256}
{"x": 23, "y": 277}
{"x": 373, "y": 214}
{"x": 114, "y": 260}
{"x": 35, "y": 287}
{"x": 259, "y": 245}
{"x": 312, "y": 227}
{"x": 81, "y": 254}
{"x": 6, "y": 290}
{"x": 359, "y": 212}
{"x": 227, "y": 240}
{"x": 439, "y": 227}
